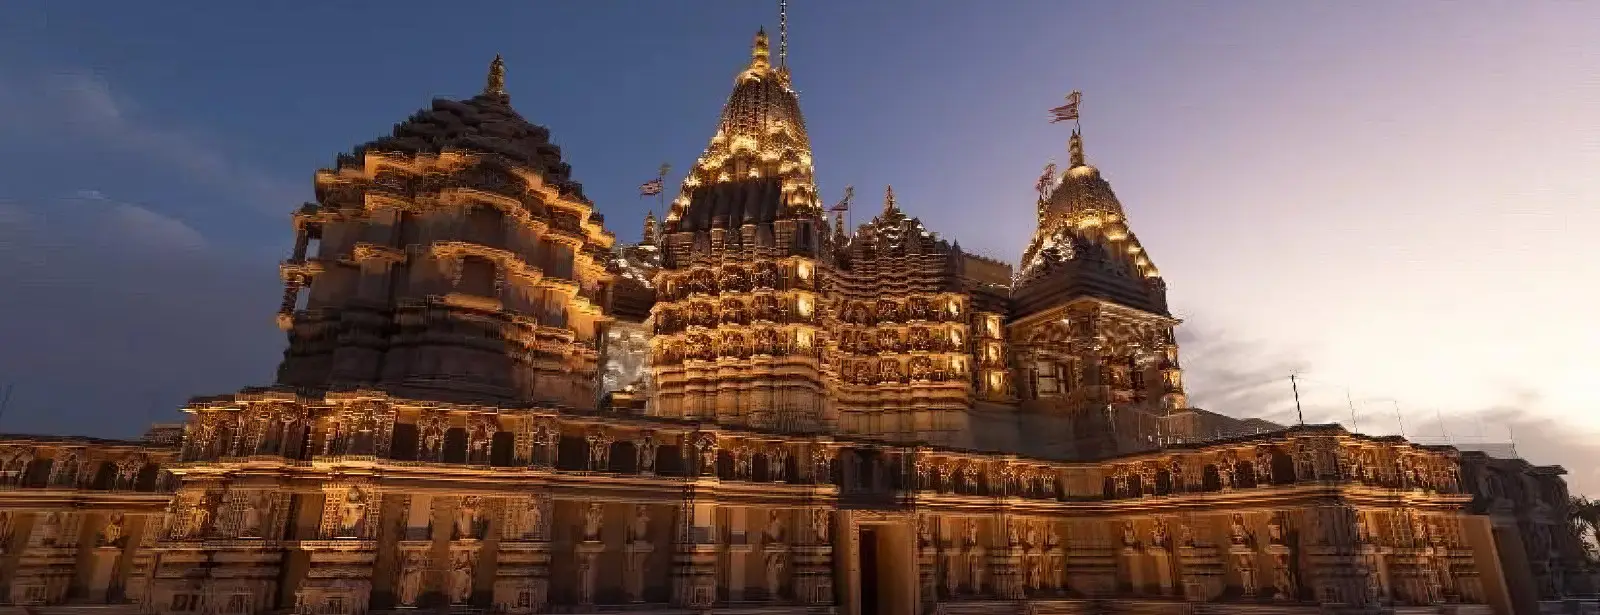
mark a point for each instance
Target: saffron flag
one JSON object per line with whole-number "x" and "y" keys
{"x": 1069, "y": 111}
{"x": 652, "y": 187}
{"x": 1046, "y": 179}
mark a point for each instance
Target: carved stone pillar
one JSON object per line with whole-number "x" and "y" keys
{"x": 339, "y": 578}
{"x": 694, "y": 563}
{"x": 813, "y": 558}
{"x": 927, "y": 561}
{"x": 522, "y": 573}
{"x": 1005, "y": 560}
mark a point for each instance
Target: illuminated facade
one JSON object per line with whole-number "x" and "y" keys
{"x": 486, "y": 404}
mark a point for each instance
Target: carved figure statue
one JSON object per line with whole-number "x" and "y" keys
{"x": 50, "y": 528}
{"x": 410, "y": 586}
{"x": 819, "y": 524}
{"x": 461, "y": 578}
{"x": 1239, "y": 536}
{"x": 776, "y": 564}
{"x": 1275, "y": 531}
{"x": 972, "y": 533}
{"x": 1130, "y": 538}
{"x": 466, "y": 521}
{"x": 592, "y": 519}
{"x": 352, "y": 512}
{"x": 1158, "y": 535}
{"x": 774, "y": 531}
{"x": 111, "y": 534}
{"x": 640, "y": 531}
{"x": 200, "y": 516}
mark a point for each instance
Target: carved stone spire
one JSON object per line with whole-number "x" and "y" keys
{"x": 495, "y": 85}
{"x": 888, "y": 200}
{"x": 1075, "y": 149}
{"x": 649, "y": 236}
{"x": 761, "y": 54}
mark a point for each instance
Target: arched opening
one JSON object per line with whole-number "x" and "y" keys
{"x": 791, "y": 469}
{"x": 623, "y": 458}
{"x": 1163, "y": 482}
{"x": 669, "y": 460}
{"x": 724, "y": 465}
{"x": 148, "y": 477}
{"x": 455, "y": 445}
{"x": 1244, "y": 475}
{"x": 572, "y": 453}
{"x": 1135, "y": 486}
{"x": 484, "y": 226}
{"x": 503, "y": 449}
{"x": 1282, "y": 468}
{"x": 38, "y": 473}
{"x": 403, "y": 444}
{"x": 1210, "y": 478}
{"x": 105, "y": 477}
{"x": 760, "y": 468}
{"x": 1108, "y": 488}
{"x": 477, "y": 276}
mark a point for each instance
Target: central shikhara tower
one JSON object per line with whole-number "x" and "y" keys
{"x": 488, "y": 404}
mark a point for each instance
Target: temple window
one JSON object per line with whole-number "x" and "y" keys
{"x": 1047, "y": 378}
{"x": 477, "y": 276}
{"x": 486, "y": 226}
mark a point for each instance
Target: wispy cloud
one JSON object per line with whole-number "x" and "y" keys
{"x": 1231, "y": 374}
{"x": 84, "y": 106}
{"x": 115, "y": 314}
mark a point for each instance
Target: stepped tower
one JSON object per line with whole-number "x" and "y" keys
{"x": 737, "y": 323}
{"x": 1092, "y": 340}
{"x": 456, "y": 260}
{"x": 901, "y": 325}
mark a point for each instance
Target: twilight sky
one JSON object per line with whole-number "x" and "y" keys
{"x": 1395, "y": 199}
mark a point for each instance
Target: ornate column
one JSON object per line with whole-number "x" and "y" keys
{"x": 339, "y": 578}
{"x": 775, "y": 552}
{"x": 694, "y": 560}
{"x": 1200, "y": 567}
{"x": 522, "y": 571}
{"x": 813, "y": 558}
{"x": 1005, "y": 559}
{"x": 927, "y": 560}
{"x": 637, "y": 553}
{"x": 48, "y": 560}
{"x": 467, "y": 528}
{"x": 588, "y": 552}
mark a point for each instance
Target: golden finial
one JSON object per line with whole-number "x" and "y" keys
{"x": 760, "y": 55}
{"x": 496, "y": 84}
{"x": 1075, "y": 149}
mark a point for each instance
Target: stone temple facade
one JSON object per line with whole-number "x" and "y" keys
{"x": 487, "y": 404}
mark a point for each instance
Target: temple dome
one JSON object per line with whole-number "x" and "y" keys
{"x": 1082, "y": 191}
{"x": 484, "y": 124}
{"x": 760, "y": 143}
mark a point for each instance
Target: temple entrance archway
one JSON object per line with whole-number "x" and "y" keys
{"x": 878, "y": 570}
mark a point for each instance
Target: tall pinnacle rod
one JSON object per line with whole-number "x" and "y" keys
{"x": 783, "y": 33}
{"x": 1354, "y": 425}
{"x": 1295, "y": 384}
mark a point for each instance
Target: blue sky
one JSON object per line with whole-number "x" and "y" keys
{"x": 1394, "y": 198}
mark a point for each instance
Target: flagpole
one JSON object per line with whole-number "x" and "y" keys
{"x": 661, "y": 197}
